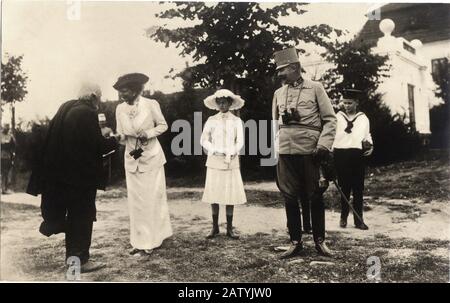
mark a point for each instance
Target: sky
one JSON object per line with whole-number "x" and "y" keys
{"x": 107, "y": 40}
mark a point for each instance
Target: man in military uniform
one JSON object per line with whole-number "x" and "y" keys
{"x": 307, "y": 126}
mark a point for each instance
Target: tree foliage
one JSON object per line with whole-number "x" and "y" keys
{"x": 14, "y": 80}
{"x": 442, "y": 79}
{"x": 355, "y": 66}
{"x": 14, "y": 84}
{"x": 230, "y": 41}
{"x": 439, "y": 115}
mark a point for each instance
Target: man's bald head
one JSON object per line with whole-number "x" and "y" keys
{"x": 90, "y": 92}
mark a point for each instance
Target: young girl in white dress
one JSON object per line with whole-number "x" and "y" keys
{"x": 223, "y": 138}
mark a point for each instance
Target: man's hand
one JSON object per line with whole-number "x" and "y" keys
{"x": 367, "y": 148}
{"x": 323, "y": 184}
{"x": 320, "y": 153}
{"x": 368, "y": 152}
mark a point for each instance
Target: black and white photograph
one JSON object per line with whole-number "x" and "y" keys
{"x": 225, "y": 142}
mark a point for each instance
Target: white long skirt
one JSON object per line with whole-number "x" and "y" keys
{"x": 149, "y": 212}
{"x": 224, "y": 187}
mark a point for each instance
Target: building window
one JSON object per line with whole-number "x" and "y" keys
{"x": 412, "y": 116}
{"x": 439, "y": 68}
{"x": 409, "y": 48}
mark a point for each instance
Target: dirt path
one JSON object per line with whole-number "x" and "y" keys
{"x": 397, "y": 219}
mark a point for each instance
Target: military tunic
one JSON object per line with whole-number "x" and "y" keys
{"x": 317, "y": 125}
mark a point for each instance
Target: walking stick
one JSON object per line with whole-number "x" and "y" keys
{"x": 349, "y": 204}
{"x": 329, "y": 173}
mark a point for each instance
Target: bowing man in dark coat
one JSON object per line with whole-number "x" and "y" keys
{"x": 70, "y": 172}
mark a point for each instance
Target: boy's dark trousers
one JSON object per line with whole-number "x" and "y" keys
{"x": 350, "y": 169}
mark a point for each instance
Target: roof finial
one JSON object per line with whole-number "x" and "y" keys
{"x": 387, "y": 27}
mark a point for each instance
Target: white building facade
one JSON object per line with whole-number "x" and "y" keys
{"x": 409, "y": 90}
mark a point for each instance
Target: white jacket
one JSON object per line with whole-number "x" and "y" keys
{"x": 223, "y": 138}
{"x": 144, "y": 116}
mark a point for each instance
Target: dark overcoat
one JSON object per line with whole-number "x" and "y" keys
{"x": 71, "y": 155}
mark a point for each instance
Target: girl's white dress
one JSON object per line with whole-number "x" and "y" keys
{"x": 145, "y": 177}
{"x": 223, "y": 138}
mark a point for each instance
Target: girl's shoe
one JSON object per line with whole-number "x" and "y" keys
{"x": 231, "y": 234}
{"x": 214, "y": 232}
{"x": 148, "y": 252}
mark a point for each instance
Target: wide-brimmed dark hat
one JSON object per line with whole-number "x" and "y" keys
{"x": 130, "y": 79}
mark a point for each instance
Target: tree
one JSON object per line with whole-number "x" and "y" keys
{"x": 356, "y": 66}
{"x": 14, "y": 84}
{"x": 234, "y": 41}
{"x": 442, "y": 79}
{"x": 439, "y": 124}
{"x": 232, "y": 45}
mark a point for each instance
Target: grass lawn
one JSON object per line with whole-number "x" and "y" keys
{"x": 188, "y": 256}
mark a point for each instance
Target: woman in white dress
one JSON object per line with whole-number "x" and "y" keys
{"x": 223, "y": 138}
{"x": 139, "y": 122}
